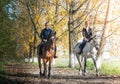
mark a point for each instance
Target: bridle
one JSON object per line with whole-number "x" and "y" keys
{"x": 94, "y": 43}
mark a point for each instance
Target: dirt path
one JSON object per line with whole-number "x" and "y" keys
{"x": 28, "y": 74}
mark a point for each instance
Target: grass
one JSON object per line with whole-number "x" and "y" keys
{"x": 61, "y": 63}
{"x": 110, "y": 68}
{"x": 90, "y": 65}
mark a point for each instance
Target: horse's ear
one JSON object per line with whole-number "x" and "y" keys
{"x": 93, "y": 36}
{"x": 55, "y": 32}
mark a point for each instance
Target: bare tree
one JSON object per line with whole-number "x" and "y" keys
{"x": 103, "y": 37}
{"x": 71, "y": 25}
{"x": 105, "y": 30}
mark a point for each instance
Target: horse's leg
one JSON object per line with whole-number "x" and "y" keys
{"x": 45, "y": 67}
{"x": 79, "y": 61}
{"x": 82, "y": 63}
{"x": 94, "y": 60}
{"x": 49, "y": 68}
{"x": 39, "y": 63}
{"x": 85, "y": 63}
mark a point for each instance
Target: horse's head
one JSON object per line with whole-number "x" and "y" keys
{"x": 95, "y": 41}
{"x": 52, "y": 36}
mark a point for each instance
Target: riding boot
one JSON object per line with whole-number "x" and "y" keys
{"x": 38, "y": 50}
{"x": 55, "y": 52}
{"x": 41, "y": 46}
{"x": 41, "y": 49}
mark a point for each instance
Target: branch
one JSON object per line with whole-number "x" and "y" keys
{"x": 74, "y": 11}
{"x": 28, "y": 9}
{"x": 85, "y": 17}
{"x": 62, "y": 34}
{"x": 111, "y": 33}
{"x": 96, "y": 13}
{"x": 59, "y": 5}
{"x": 61, "y": 19}
{"x": 86, "y": 7}
{"x": 113, "y": 19}
{"x": 80, "y": 23}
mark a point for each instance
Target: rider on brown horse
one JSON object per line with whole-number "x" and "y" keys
{"x": 44, "y": 38}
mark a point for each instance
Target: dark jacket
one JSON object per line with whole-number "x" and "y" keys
{"x": 45, "y": 33}
{"x": 87, "y": 34}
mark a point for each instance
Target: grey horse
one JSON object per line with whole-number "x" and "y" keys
{"x": 89, "y": 51}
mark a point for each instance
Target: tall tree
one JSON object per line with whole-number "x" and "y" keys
{"x": 72, "y": 26}
{"x": 7, "y": 42}
{"x": 104, "y": 34}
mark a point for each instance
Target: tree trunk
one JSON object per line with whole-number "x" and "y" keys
{"x": 72, "y": 35}
{"x": 30, "y": 51}
{"x": 56, "y": 12}
{"x": 103, "y": 40}
{"x": 34, "y": 48}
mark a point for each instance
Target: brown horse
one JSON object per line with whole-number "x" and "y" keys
{"x": 48, "y": 52}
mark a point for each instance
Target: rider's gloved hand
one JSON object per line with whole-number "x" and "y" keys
{"x": 44, "y": 40}
{"x": 86, "y": 39}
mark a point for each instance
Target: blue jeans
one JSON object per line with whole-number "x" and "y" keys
{"x": 82, "y": 45}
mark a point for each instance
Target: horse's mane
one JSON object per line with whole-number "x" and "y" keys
{"x": 47, "y": 45}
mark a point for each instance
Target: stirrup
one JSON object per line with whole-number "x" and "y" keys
{"x": 80, "y": 52}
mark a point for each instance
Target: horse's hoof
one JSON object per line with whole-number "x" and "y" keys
{"x": 97, "y": 74}
{"x": 83, "y": 74}
{"x": 79, "y": 73}
{"x": 40, "y": 74}
{"x": 49, "y": 77}
{"x": 44, "y": 75}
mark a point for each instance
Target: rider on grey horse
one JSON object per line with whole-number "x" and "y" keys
{"x": 44, "y": 38}
{"x": 87, "y": 34}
